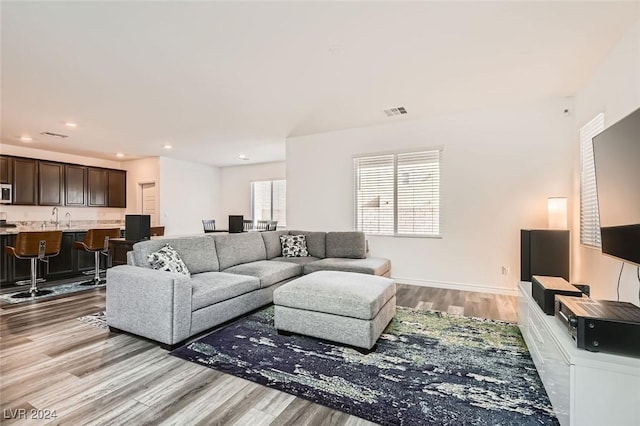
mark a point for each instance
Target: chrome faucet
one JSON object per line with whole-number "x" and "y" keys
{"x": 67, "y": 217}
{"x": 55, "y": 211}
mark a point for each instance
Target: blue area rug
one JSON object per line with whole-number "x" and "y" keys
{"x": 429, "y": 368}
{"x": 58, "y": 290}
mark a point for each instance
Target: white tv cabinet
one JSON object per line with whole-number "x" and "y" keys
{"x": 585, "y": 388}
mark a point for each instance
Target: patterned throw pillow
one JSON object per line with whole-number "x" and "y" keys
{"x": 294, "y": 245}
{"x": 168, "y": 259}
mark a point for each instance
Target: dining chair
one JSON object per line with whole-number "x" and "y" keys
{"x": 209, "y": 225}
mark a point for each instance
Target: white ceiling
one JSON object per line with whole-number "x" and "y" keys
{"x": 218, "y": 79}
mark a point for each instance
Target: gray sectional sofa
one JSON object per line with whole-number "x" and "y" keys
{"x": 231, "y": 275}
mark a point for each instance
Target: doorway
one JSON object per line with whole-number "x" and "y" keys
{"x": 149, "y": 201}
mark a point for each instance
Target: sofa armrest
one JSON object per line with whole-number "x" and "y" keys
{"x": 131, "y": 260}
{"x": 150, "y": 303}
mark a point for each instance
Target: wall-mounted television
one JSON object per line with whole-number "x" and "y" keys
{"x": 616, "y": 153}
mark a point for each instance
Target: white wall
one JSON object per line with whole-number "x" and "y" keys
{"x": 144, "y": 170}
{"x": 236, "y": 187}
{"x": 615, "y": 90}
{"x": 189, "y": 192}
{"x": 43, "y": 213}
{"x": 499, "y": 167}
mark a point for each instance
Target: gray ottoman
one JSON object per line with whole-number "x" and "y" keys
{"x": 344, "y": 307}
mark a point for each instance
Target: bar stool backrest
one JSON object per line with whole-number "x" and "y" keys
{"x": 98, "y": 239}
{"x": 28, "y": 243}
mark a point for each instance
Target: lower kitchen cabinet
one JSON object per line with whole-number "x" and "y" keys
{"x": 61, "y": 265}
{"x": 69, "y": 263}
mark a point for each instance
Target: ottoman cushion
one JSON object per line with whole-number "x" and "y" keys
{"x": 347, "y": 294}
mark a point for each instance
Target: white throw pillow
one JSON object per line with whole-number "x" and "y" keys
{"x": 168, "y": 259}
{"x": 294, "y": 245}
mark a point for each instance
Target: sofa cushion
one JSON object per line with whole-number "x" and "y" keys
{"x": 339, "y": 293}
{"x": 213, "y": 287}
{"x": 198, "y": 253}
{"x": 346, "y": 244}
{"x": 272, "y": 243}
{"x": 370, "y": 265}
{"x": 235, "y": 249}
{"x": 294, "y": 246}
{"x": 166, "y": 258}
{"x": 315, "y": 242}
{"x": 267, "y": 271}
{"x": 298, "y": 260}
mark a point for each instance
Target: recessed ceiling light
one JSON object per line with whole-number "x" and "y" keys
{"x": 26, "y": 138}
{"x": 243, "y": 157}
{"x": 167, "y": 146}
{"x": 70, "y": 124}
{"x": 119, "y": 154}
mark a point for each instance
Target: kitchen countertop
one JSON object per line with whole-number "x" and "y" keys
{"x": 63, "y": 228}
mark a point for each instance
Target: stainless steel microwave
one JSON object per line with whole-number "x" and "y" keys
{"x": 6, "y": 193}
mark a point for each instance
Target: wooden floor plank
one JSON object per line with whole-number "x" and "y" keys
{"x": 50, "y": 360}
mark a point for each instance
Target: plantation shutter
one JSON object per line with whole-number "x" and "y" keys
{"x": 268, "y": 200}
{"x": 398, "y": 194}
{"x": 418, "y": 193}
{"x": 374, "y": 197}
{"x": 279, "y": 204}
{"x": 589, "y": 215}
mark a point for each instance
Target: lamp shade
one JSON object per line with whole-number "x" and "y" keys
{"x": 557, "y": 213}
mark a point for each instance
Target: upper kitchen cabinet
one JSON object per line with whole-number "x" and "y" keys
{"x": 98, "y": 187}
{"x": 117, "y": 188}
{"x": 6, "y": 164}
{"x": 75, "y": 185}
{"x": 25, "y": 181}
{"x": 50, "y": 183}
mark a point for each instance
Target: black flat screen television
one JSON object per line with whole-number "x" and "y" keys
{"x": 616, "y": 153}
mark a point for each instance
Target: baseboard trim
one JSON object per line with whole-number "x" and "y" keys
{"x": 458, "y": 286}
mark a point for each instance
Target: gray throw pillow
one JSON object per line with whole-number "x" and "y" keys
{"x": 294, "y": 246}
{"x": 168, "y": 259}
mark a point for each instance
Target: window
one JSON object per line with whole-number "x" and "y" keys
{"x": 398, "y": 194}
{"x": 589, "y": 216}
{"x": 268, "y": 200}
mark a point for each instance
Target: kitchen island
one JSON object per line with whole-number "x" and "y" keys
{"x": 68, "y": 264}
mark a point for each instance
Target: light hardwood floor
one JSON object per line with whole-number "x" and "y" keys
{"x": 51, "y": 361}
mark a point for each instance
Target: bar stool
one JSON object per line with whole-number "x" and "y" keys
{"x": 97, "y": 242}
{"x": 35, "y": 245}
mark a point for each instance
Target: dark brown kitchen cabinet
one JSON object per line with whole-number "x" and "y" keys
{"x": 4, "y": 261}
{"x": 25, "y": 181}
{"x": 75, "y": 185}
{"x": 98, "y": 187}
{"x": 117, "y": 188}
{"x": 62, "y": 265}
{"x": 71, "y": 262}
{"x": 50, "y": 183}
{"x": 5, "y": 169}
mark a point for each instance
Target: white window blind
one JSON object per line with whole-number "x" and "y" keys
{"x": 375, "y": 199}
{"x": 589, "y": 216}
{"x": 398, "y": 194}
{"x": 268, "y": 200}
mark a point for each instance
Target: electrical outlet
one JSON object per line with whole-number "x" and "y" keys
{"x": 506, "y": 270}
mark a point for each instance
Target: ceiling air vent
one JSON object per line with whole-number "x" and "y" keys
{"x": 55, "y": 135}
{"x": 395, "y": 111}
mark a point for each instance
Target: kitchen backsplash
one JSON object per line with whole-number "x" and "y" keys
{"x": 36, "y": 215}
